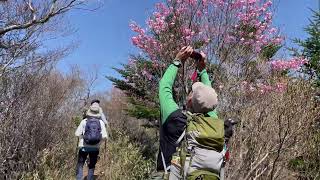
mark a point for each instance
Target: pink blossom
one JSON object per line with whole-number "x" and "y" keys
{"x": 252, "y": 1}
{"x": 252, "y": 88}
{"x": 135, "y": 40}
{"x": 147, "y": 74}
{"x": 277, "y": 40}
{"x": 268, "y": 3}
{"x": 264, "y": 88}
{"x": 244, "y": 83}
{"x": 144, "y": 72}
{"x": 273, "y": 30}
{"x": 131, "y": 62}
{"x": 280, "y": 87}
{"x": 173, "y": 15}
{"x": 199, "y": 13}
{"x": 293, "y": 63}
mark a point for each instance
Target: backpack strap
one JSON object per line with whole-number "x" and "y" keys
{"x": 166, "y": 169}
{"x": 183, "y": 156}
{"x": 224, "y": 151}
{"x": 188, "y": 114}
{"x": 163, "y": 162}
{"x": 181, "y": 137}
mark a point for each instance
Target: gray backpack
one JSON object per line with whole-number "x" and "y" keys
{"x": 92, "y": 134}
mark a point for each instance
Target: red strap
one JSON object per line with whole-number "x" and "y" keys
{"x": 227, "y": 155}
{"x": 194, "y": 76}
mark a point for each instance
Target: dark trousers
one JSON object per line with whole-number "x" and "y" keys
{"x": 82, "y": 156}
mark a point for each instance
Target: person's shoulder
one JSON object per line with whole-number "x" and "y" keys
{"x": 178, "y": 114}
{"x": 101, "y": 122}
{"x": 83, "y": 121}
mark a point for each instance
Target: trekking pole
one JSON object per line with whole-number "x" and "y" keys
{"x": 76, "y": 153}
{"x": 109, "y": 132}
{"x": 105, "y": 150}
{"x": 185, "y": 86}
{"x": 108, "y": 139}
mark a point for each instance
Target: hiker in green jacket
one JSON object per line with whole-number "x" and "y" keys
{"x": 202, "y": 99}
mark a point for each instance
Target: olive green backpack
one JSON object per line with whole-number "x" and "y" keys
{"x": 205, "y": 132}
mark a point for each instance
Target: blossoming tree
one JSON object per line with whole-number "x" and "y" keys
{"x": 237, "y": 36}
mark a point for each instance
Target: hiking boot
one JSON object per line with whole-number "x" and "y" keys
{"x": 159, "y": 176}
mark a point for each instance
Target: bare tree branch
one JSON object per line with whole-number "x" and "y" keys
{"x": 54, "y": 11}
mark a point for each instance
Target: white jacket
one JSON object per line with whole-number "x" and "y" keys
{"x": 103, "y": 117}
{"x": 81, "y": 129}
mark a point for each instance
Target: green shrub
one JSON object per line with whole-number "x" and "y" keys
{"x": 125, "y": 161}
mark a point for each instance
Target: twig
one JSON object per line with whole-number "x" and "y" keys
{"x": 256, "y": 166}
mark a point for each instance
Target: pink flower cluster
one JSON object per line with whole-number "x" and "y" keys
{"x": 293, "y": 63}
{"x": 251, "y": 25}
{"x": 188, "y": 34}
{"x": 147, "y": 74}
{"x": 247, "y": 23}
{"x": 157, "y": 22}
{"x": 279, "y": 87}
{"x": 254, "y": 26}
{"x": 146, "y": 43}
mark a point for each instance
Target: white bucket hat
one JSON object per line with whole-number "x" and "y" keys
{"x": 94, "y": 111}
{"x": 204, "y": 98}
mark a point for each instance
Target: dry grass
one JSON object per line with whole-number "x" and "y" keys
{"x": 272, "y": 131}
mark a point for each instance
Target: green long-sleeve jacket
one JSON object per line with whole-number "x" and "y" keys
{"x": 167, "y": 103}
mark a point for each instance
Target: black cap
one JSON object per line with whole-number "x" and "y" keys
{"x": 95, "y": 101}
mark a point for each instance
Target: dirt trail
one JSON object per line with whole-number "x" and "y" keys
{"x": 100, "y": 169}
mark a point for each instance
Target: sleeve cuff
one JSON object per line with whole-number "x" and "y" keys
{"x": 202, "y": 72}
{"x": 177, "y": 63}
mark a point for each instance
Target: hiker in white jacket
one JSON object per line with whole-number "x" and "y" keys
{"x": 91, "y": 131}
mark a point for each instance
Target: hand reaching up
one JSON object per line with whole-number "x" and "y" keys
{"x": 201, "y": 64}
{"x": 184, "y": 53}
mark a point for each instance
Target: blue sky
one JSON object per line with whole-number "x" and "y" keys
{"x": 104, "y": 35}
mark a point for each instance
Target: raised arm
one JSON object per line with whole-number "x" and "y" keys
{"x": 204, "y": 77}
{"x": 167, "y": 103}
{"x": 201, "y": 67}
